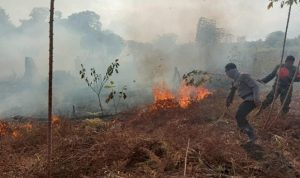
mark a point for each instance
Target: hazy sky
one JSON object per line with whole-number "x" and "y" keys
{"x": 144, "y": 20}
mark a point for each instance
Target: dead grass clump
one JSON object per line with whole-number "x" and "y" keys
{"x": 142, "y": 158}
{"x": 85, "y": 154}
{"x": 277, "y": 166}
{"x": 147, "y": 151}
{"x": 29, "y": 139}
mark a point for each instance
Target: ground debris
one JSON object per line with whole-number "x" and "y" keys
{"x": 152, "y": 143}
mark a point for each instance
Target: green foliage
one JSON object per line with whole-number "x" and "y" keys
{"x": 282, "y": 3}
{"x": 96, "y": 81}
{"x": 116, "y": 96}
{"x": 120, "y": 94}
{"x": 196, "y": 78}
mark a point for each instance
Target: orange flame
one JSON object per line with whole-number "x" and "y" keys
{"x": 55, "y": 120}
{"x": 27, "y": 126}
{"x": 14, "y": 131}
{"x": 16, "y": 134}
{"x": 163, "y": 97}
{"x": 3, "y": 128}
{"x": 202, "y": 93}
{"x": 183, "y": 97}
{"x": 161, "y": 92}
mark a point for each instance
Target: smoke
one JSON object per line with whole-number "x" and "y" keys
{"x": 78, "y": 39}
{"x": 185, "y": 42}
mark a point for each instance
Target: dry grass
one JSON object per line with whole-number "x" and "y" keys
{"x": 152, "y": 143}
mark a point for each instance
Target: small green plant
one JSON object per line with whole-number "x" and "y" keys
{"x": 116, "y": 95}
{"x": 96, "y": 82}
{"x": 196, "y": 78}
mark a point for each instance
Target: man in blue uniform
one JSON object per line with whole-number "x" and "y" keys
{"x": 248, "y": 90}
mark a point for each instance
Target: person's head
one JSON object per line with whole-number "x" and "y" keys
{"x": 231, "y": 70}
{"x": 289, "y": 61}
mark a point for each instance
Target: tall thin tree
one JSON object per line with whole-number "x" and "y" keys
{"x": 290, "y": 2}
{"x": 49, "y": 136}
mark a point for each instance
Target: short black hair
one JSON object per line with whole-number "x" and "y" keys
{"x": 290, "y": 58}
{"x": 230, "y": 66}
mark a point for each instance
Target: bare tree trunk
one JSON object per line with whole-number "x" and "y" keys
{"x": 49, "y": 136}
{"x": 100, "y": 104}
{"x": 282, "y": 55}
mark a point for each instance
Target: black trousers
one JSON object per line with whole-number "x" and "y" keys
{"x": 283, "y": 92}
{"x": 241, "y": 117}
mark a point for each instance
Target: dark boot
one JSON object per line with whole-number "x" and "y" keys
{"x": 251, "y": 135}
{"x": 286, "y": 103}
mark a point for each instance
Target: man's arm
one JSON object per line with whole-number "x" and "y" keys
{"x": 230, "y": 96}
{"x": 270, "y": 76}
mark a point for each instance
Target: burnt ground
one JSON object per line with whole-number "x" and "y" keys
{"x": 152, "y": 142}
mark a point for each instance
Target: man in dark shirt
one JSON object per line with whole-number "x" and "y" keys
{"x": 285, "y": 74}
{"x": 248, "y": 90}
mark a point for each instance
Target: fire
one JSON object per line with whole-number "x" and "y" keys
{"x": 161, "y": 92}
{"x": 202, "y": 93}
{"x": 16, "y": 134}
{"x": 184, "y": 96}
{"x": 165, "y": 98}
{"x": 15, "y": 131}
{"x": 55, "y": 120}
{"x": 27, "y": 126}
{"x": 3, "y": 128}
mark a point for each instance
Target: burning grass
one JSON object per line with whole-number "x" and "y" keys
{"x": 151, "y": 142}
{"x": 164, "y": 98}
